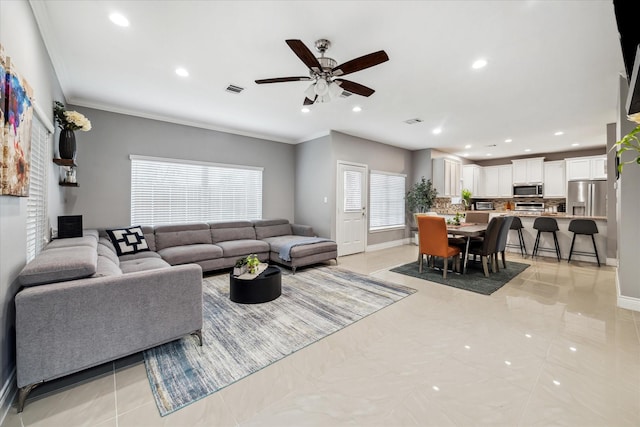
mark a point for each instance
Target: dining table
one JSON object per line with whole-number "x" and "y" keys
{"x": 468, "y": 230}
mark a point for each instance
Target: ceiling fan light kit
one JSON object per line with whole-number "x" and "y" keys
{"x": 324, "y": 70}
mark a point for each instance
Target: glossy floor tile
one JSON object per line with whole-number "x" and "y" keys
{"x": 549, "y": 348}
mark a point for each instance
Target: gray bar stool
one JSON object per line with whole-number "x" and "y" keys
{"x": 517, "y": 225}
{"x": 586, "y": 227}
{"x": 546, "y": 225}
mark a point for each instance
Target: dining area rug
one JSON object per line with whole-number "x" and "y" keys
{"x": 240, "y": 339}
{"x": 474, "y": 280}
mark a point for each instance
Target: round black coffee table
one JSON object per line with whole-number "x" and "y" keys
{"x": 266, "y": 287}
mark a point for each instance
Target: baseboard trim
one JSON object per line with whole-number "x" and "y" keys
{"x": 613, "y": 262}
{"x": 629, "y": 303}
{"x": 7, "y": 395}
{"x": 387, "y": 245}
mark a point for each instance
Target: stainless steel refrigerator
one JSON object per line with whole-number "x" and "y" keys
{"x": 587, "y": 198}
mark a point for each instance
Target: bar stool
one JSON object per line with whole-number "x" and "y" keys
{"x": 517, "y": 225}
{"x": 586, "y": 227}
{"x": 546, "y": 225}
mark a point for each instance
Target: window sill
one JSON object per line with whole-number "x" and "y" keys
{"x": 383, "y": 229}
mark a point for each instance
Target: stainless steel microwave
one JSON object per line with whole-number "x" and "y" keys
{"x": 527, "y": 190}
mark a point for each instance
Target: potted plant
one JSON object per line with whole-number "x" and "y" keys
{"x": 421, "y": 197}
{"x": 240, "y": 267}
{"x": 629, "y": 142}
{"x": 466, "y": 198}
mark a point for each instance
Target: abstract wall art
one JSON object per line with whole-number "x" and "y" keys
{"x": 16, "y": 141}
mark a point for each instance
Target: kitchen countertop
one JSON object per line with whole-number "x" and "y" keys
{"x": 525, "y": 214}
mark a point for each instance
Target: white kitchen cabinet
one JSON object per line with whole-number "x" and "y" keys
{"x": 594, "y": 167}
{"x": 471, "y": 179}
{"x": 528, "y": 171}
{"x": 555, "y": 183}
{"x": 446, "y": 177}
{"x": 498, "y": 181}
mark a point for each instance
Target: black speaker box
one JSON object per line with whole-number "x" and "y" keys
{"x": 69, "y": 226}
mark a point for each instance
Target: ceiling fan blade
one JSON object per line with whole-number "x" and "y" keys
{"x": 354, "y": 87}
{"x": 284, "y": 79}
{"x": 307, "y": 101}
{"x": 361, "y": 63}
{"x": 305, "y": 55}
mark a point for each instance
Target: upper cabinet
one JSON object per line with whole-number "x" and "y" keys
{"x": 555, "y": 184}
{"x": 471, "y": 179}
{"x": 497, "y": 181}
{"x": 447, "y": 175}
{"x": 528, "y": 171}
{"x": 579, "y": 168}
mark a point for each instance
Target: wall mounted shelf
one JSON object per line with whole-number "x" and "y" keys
{"x": 67, "y": 173}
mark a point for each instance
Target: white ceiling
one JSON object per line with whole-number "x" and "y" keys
{"x": 551, "y": 66}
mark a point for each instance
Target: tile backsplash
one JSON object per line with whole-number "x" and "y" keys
{"x": 443, "y": 205}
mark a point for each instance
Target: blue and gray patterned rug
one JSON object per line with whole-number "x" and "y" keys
{"x": 240, "y": 339}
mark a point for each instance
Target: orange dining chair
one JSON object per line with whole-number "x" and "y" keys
{"x": 433, "y": 241}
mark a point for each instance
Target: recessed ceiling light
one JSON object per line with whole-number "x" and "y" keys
{"x": 467, "y": 146}
{"x": 119, "y": 19}
{"x": 480, "y": 63}
{"x": 182, "y": 72}
{"x": 465, "y": 154}
{"x": 437, "y": 131}
{"x": 489, "y": 154}
{"x": 356, "y": 109}
{"x": 526, "y": 150}
{"x": 575, "y": 144}
{"x": 559, "y": 133}
{"x": 305, "y": 109}
{"x": 508, "y": 140}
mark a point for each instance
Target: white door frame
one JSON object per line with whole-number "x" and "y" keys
{"x": 339, "y": 202}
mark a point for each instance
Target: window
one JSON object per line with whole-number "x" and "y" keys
{"x": 352, "y": 191}
{"x": 167, "y": 191}
{"x": 386, "y": 199}
{"x": 37, "y": 229}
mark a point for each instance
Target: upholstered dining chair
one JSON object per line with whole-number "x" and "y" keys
{"x": 487, "y": 246}
{"x": 433, "y": 241}
{"x": 501, "y": 246}
{"x": 476, "y": 217}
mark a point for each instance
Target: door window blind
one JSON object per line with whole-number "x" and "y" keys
{"x": 37, "y": 228}
{"x": 352, "y": 191}
{"x": 386, "y": 199}
{"x": 168, "y": 191}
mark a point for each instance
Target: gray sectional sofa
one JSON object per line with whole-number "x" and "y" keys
{"x": 82, "y": 304}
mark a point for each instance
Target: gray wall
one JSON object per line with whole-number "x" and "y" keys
{"x": 628, "y": 207}
{"x": 548, "y": 157}
{"x": 421, "y": 165}
{"x": 104, "y": 168}
{"x": 314, "y": 180}
{"x": 377, "y": 156}
{"x": 612, "y": 197}
{"x": 22, "y": 42}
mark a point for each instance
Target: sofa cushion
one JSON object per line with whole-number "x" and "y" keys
{"x": 142, "y": 264}
{"x": 106, "y": 267}
{"x": 140, "y": 255}
{"x": 183, "y": 234}
{"x": 272, "y": 227}
{"x": 244, "y": 247}
{"x": 90, "y": 241}
{"x": 108, "y": 251}
{"x": 190, "y": 253}
{"x": 150, "y": 236}
{"x": 232, "y": 230}
{"x": 278, "y": 242}
{"x": 60, "y": 264}
{"x": 128, "y": 240}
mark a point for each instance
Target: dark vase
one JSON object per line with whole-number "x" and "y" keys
{"x": 67, "y": 146}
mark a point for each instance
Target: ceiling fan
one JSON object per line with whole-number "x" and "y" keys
{"x": 325, "y": 73}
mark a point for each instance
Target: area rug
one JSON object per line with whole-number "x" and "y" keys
{"x": 474, "y": 280}
{"x": 240, "y": 339}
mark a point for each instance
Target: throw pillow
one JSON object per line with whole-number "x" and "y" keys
{"x": 128, "y": 240}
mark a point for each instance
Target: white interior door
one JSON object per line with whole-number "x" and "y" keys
{"x": 352, "y": 208}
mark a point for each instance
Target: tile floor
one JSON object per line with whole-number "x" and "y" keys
{"x": 549, "y": 348}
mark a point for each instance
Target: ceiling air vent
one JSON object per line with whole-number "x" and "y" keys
{"x": 413, "y": 121}
{"x": 234, "y": 89}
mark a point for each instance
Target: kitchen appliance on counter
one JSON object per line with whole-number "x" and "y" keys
{"x": 529, "y": 207}
{"x": 484, "y": 206}
{"x": 562, "y": 207}
{"x": 527, "y": 190}
{"x": 587, "y": 198}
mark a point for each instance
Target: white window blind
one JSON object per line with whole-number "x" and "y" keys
{"x": 37, "y": 228}
{"x": 167, "y": 191}
{"x": 352, "y": 191}
{"x": 386, "y": 199}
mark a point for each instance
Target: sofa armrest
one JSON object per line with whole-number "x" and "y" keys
{"x": 65, "y": 327}
{"x": 302, "y": 230}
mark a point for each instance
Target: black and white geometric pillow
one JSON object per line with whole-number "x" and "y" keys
{"x": 128, "y": 240}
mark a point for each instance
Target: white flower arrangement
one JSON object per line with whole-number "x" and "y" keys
{"x": 70, "y": 120}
